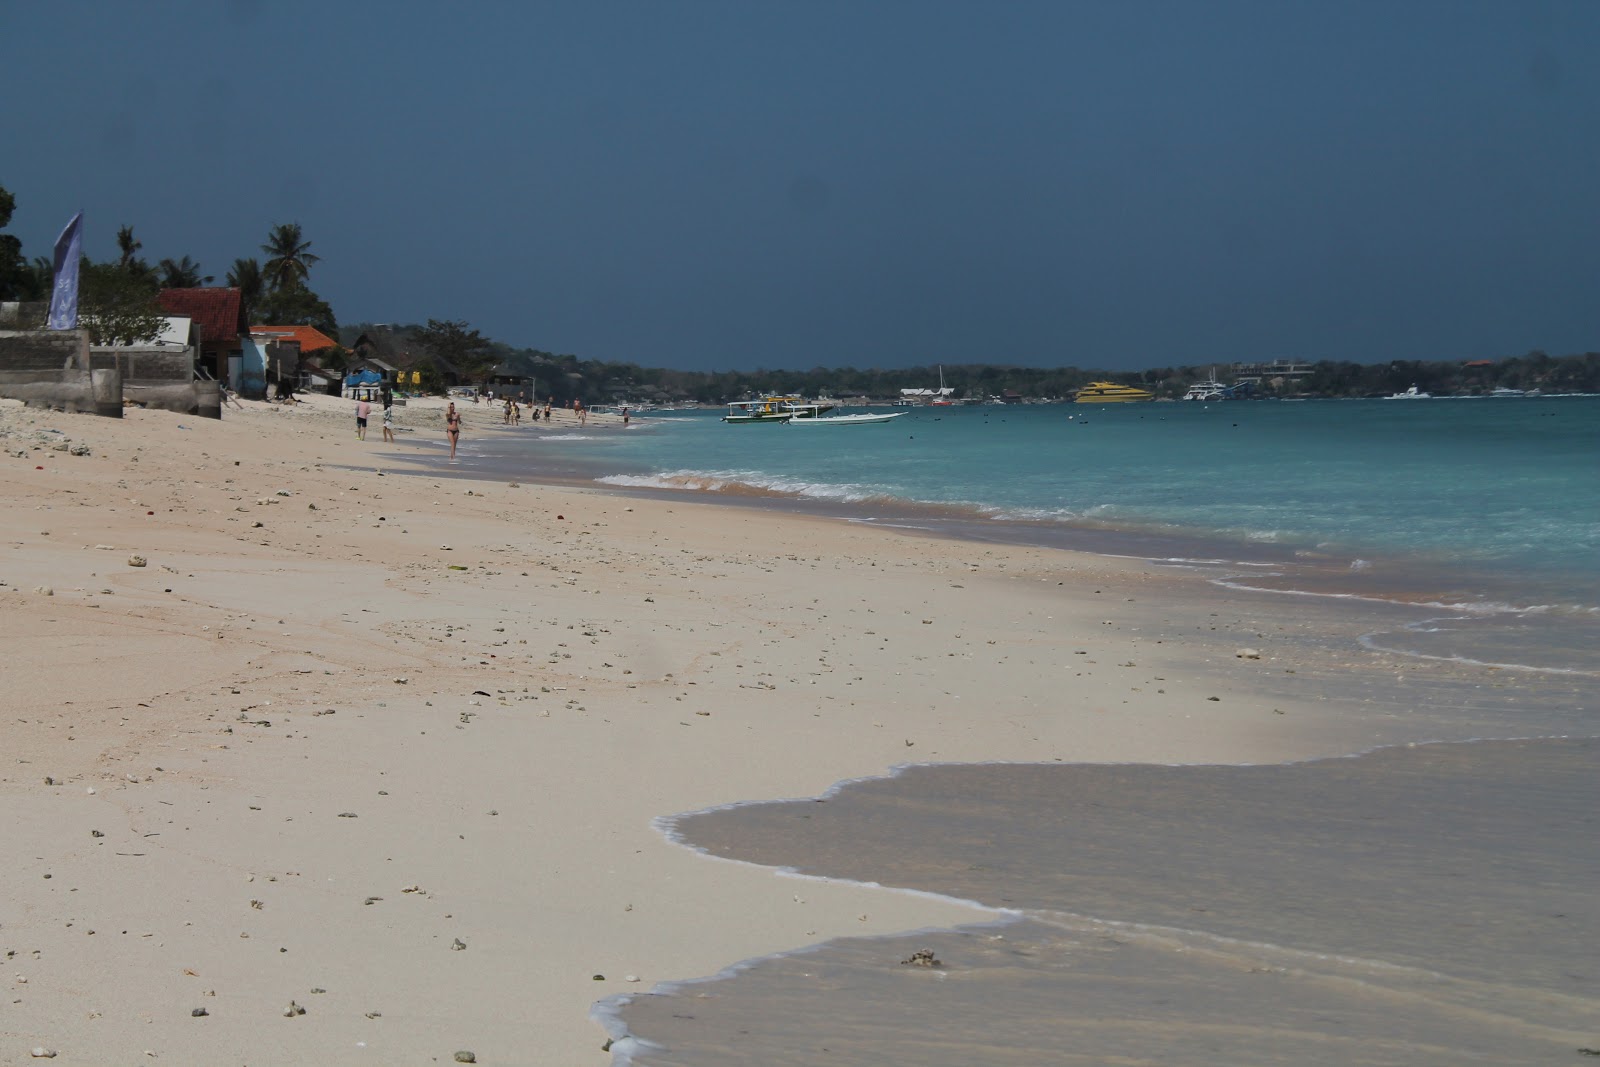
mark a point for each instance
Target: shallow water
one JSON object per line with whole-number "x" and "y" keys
{"x": 1417, "y": 904}
{"x": 1487, "y": 509}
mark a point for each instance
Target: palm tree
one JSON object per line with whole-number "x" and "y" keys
{"x": 246, "y": 277}
{"x": 289, "y": 257}
{"x": 128, "y": 246}
{"x": 182, "y": 274}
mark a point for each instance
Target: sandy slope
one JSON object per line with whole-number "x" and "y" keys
{"x": 347, "y": 717}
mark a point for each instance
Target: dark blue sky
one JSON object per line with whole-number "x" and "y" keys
{"x": 764, "y": 184}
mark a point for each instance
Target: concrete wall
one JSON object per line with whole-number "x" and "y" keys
{"x": 53, "y": 368}
{"x": 150, "y": 364}
{"x": 56, "y": 369}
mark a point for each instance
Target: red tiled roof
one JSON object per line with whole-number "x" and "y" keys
{"x": 311, "y": 339}
{"x": 217, "y": 310}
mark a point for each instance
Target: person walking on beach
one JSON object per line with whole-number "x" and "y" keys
{"x": 452, "y": 427}
{"x": 363, "y": 409}
{"x": 388, "y": 419}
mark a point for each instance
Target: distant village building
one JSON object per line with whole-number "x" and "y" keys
{"x": 283, "y": 359}
{"x": 1286, "y": 369}
{"x": 380, "y": 347}
{"x": 517, "y": 376}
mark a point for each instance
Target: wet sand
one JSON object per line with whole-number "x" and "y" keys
{"x": 1421, "y": 904}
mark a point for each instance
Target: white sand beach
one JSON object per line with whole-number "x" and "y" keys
{"x": 289, "y": 719}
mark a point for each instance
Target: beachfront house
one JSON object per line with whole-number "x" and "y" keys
{"x": 419, "y": 367}
{"x": 166, "y": 360}
{"x": 274, "y": 359}
{"x": 517, "y": 376}
{"x": 315, "y": 378}
{"x": 217, "y": 312}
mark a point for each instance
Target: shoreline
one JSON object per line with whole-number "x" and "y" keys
{"x": 1124, "y": 894}
{"x": 675, "y": 658}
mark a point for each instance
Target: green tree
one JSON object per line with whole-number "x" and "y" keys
{"x": 245, "y": 276}
{"x": 128, "y": 247}
{"x": 13, "y": 268}
{"x": 128, "y": 256}
{"x": 38, "y": 280}
{"x": 297, "y": 306}
{"x": 289, "y": 257}
{"x": 117, "y": 306}
{"x": 180, "y": 274}
{"x": 468, "y": 350}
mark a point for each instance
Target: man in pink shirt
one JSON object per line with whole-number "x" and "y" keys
{"x": 363, "y": 409}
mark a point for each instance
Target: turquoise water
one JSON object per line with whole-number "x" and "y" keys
{"x": 1486, "y": 508}
{"x": 1417, "y": 905}
{"x": 1515, "y": 481}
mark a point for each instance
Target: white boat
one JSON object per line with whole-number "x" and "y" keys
{"x": 1506, "y": 391}
{"x": 939, "y": 397}
{"x": 774, "y": 409}
{"x": 848, "y": 420}
{"x": 1410, "y": 394}
{"x": 1207, "y": 391}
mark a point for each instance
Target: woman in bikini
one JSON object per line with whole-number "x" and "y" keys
{"x": 452, "y": 427}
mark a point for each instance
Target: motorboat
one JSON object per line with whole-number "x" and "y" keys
{"x": 774, "y": 409}
{"x": 1112, "y": 393}
{"x": 1506, "y": 391}
{"x": 864, "y": 419}
{"x": 1410, "y": 394}
{"x": 1209, "y": 390}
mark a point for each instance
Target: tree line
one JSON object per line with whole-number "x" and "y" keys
{"x": 117, "y": 304}
{"x": 117, "y": 297}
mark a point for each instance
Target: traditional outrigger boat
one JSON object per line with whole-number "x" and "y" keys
{"x": 864, "y": 419}
{"x": 774, "y": 409}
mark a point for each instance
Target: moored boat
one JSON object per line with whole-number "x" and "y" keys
{"x": 1410, "y": 394}
{"x": 1112, "y": 393}
{"x": 774, "y": 409}
{"x": 865, "y": 419}
{"x": 1208, "y": 390}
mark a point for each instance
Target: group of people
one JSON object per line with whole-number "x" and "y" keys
{"x": 513, "y": 411}
{"x": 364, "y": 411}
{"x": 452, "y": 417}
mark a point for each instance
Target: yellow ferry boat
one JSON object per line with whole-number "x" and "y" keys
{"x": 1112, "y": 393}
